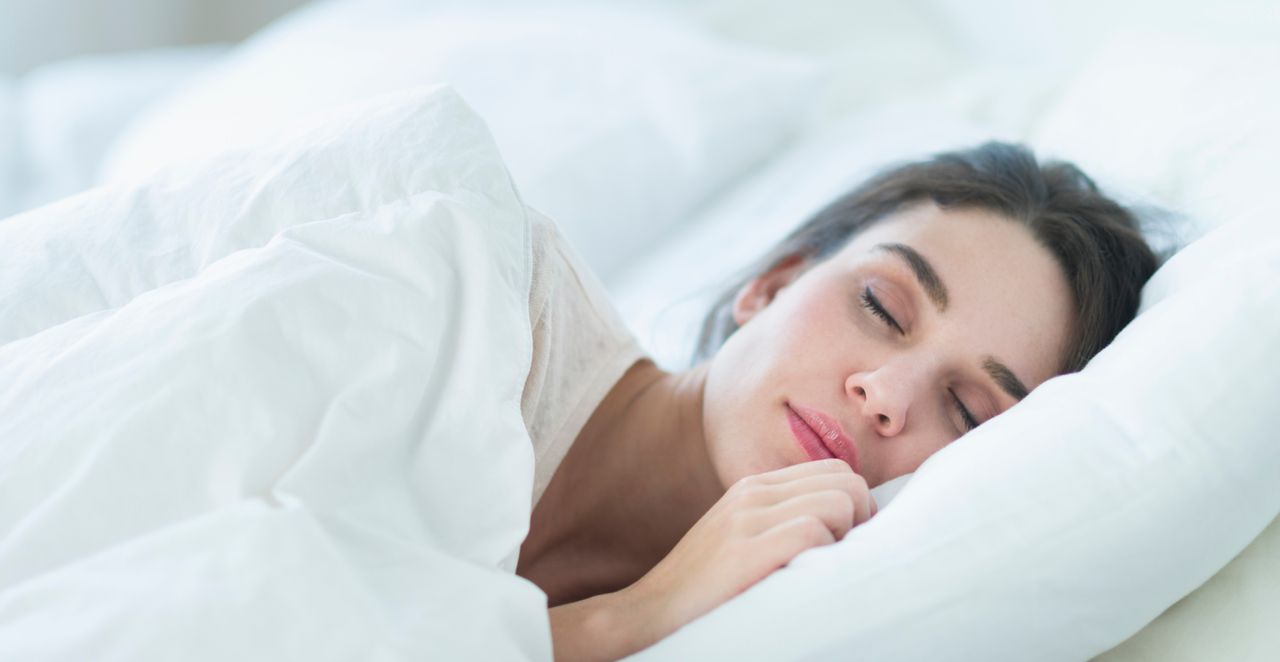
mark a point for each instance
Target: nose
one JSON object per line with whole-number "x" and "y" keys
{"x": 880, "y": 399}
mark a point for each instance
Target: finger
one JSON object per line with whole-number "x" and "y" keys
{"x": 852, "y": 484}
{"x": 834, "y": 507}
{"x": 780, "y": 543}
{"x": 800, "y": 470}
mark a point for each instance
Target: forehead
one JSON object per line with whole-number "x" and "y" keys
{"x": 1007, "y": 295}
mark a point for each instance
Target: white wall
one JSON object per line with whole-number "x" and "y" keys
{"x": 33, "y": 32}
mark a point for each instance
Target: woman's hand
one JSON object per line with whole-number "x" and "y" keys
{"x": 758, "y": 526}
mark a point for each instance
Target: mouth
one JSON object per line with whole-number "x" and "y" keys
{"x": 821, "y": 436}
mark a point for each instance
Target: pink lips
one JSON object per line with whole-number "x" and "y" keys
{"x": 821, "y": 436}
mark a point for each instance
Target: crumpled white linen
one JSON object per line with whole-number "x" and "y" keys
{"x": 267, "y": 406}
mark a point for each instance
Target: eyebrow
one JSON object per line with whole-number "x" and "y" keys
{"x": 932, "y": 285}
{"x": 925, "y": 274}
{"x": 1005, "y": 379}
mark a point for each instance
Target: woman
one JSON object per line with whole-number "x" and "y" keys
{"x": 908, "y": 312}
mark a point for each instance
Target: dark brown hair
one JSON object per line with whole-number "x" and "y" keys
{"x": 1095, "y": 240}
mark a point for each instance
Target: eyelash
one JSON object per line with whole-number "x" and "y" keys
{"x": 969, "y": 421}
{"x": 871, "y": 303}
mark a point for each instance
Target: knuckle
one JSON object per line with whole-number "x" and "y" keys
{"x": 746, "y": 484}
{"x": 748, "y": 493}
{"x": 815, "y": 531}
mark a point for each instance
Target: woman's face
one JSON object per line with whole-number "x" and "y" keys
{"x": 922, "y": 313}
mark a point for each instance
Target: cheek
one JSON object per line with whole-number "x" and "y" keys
{"x": 784, "y": 352}
{"x": 735, "y": 406}
{"x": 776, "y": 336}
{"x": 782, "y": 349}
{"x": 811, "y": 323}
{"x": 900, "y": 456}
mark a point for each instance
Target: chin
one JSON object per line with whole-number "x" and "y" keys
{"x": 731, "y": 470}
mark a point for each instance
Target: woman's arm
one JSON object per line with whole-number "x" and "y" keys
{"x": 603, "y": 627}
{"x": 758, "y": 526}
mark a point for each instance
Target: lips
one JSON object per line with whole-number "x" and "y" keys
{"x": 809, "y": 425}
{"x": 809, "y": 440}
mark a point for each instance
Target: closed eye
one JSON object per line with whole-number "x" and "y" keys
{"x": 969, "y": 421}
{"x": 871, "y": 303}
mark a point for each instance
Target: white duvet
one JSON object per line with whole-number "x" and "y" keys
{"x": 266, "y": 407}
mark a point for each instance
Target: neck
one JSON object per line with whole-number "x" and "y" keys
{"x": 636, "y": 479}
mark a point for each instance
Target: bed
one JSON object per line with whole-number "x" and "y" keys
{"x": 671, "y": 144}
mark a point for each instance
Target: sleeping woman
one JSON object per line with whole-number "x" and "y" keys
{"x": 908, "y": 312}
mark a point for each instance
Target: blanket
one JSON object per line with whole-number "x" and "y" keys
{"x": 266, "y": 406}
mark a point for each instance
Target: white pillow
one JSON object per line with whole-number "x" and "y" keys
{"x": 1063, "y": 33}
{"x": 1231, "y": 617}
{"x": 1188, "y": 121}
{"x": 876, "y": 52}
{"x": 10, "y": 162}
{"x": 1063, "y": 526}
{"x": 72, "y": 110}
{"x": 616, "y": 122}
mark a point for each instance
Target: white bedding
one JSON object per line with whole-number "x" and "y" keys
{"x": 73, "y": 565}
{"x": 268, "y": 406}
{"x": 10, "y": 134}
{"x": 616, "y": 121}
{"x": 58, "y": 120}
